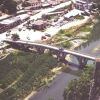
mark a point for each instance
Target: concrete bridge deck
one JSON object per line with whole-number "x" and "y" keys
{"x": 61, "y": 53}
{"x": 50, "y": 47}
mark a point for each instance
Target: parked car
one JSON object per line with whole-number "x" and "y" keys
{"x": 48, "y": 35}
{"x": 7, "y": 34}
{"x": 43, "y": 37}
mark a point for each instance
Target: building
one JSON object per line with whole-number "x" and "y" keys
{"x": 45, "y": 5}
{"x": 10, "y": 23}
{"x": 83, "y": 4}
{"x": 36, "y": 4}
{"x": 39, "y": 25}
{"x": 55, "y": 2}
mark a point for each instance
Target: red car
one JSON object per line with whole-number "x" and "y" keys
{"x": 43, "y": 37}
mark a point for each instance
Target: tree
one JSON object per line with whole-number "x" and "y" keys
{"x": 97, "y": 3}
{"x": 1, "y": 1}
{"x": 79, "y": 89}
{"x": 15, "y": 37}
{"x": 9, "y": 6}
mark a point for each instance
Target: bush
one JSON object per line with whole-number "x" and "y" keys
{"x": 79, "y": 17}
{"x": 78, "y": 89}
{"x": 24, "y": 72}
{"x": 9, "y": 6}
{"x": 66, "y": 44}
{"x": 15, "y": 37}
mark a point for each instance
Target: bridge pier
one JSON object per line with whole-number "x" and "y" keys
{"x": 24, "y": 48}
{"x": 40, "y": 50}
{"x": 61, "y": 56}
{"x": 50, "y": 52}
{"x": 82, "y": 61}
{"x": 15, "y": 46}
{"x": 53, "y": 52}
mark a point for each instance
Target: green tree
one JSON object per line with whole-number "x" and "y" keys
{"x": 78, "y": 89}
{"x": 8, "y": 6}
{"x": 15, "y": 37}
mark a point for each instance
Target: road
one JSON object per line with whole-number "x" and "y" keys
{"x": 55, "y": 91}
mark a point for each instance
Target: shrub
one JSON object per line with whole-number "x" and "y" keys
{"x": 24, "y": 72}
{"x": 78, "y": 89}
{"x": 66, "y": 44}
{"x": 15, "y": 37}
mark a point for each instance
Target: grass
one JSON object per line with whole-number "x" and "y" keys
{"x": 21, "y": 73}
{"x": 79, "y": 17}
{"x": 68, "y": 32}
{"x": 65, "y": 34}
{"x": 66, "y": 44}
{"x": 61, "y": 34}
{"x": 86, "y": 28}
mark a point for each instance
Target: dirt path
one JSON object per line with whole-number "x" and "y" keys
{"x": 55, "y": 91}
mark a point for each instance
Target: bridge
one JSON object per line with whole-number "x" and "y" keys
{"x": 61, "y": 56}
{"x": 60, "y": 53}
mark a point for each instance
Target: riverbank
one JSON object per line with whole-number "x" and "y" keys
{"x": 72, "y": 37}
{"x": 21, "y": 73}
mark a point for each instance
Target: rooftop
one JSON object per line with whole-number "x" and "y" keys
{"x": 10, "y": 20}
{"x": 39, "y": 22}
{"x": 73, "y": 12}
{"x": 80, "y": 1}
{"x": 33, "y": 1}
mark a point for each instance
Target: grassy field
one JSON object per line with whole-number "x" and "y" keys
{"x": 21, "y": 73}
{"x": 64, "y": 37}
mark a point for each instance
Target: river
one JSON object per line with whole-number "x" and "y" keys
{"x": 55, "y": 91}
{"x": 92, "y": 47}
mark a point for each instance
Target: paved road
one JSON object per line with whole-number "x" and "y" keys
{"x": 55, "y": 91}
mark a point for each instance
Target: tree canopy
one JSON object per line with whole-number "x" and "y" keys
{"x": 79, "y": 89}
{"x": 8, "y": 6}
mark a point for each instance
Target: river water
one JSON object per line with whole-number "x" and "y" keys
{"x": 92, "y": 47}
